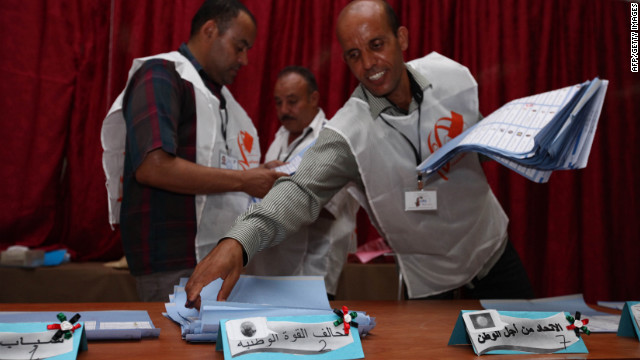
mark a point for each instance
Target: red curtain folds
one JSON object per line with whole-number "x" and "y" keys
{"x": 63, "y": 63}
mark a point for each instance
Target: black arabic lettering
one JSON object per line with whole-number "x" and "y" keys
{"x": 38, "y": 342}
{"x": 495, "y": 335}
{"x": 325, "y": 333}
{"x": 550, "y": 327}
{"x": 253, "y": 342}
{"x": 483, "y": 337}
{"x": 9, "y": 345}
{"x": 556, "y": 327}
{"x": 508, "y": 332}
{"x": 300, "y": 334}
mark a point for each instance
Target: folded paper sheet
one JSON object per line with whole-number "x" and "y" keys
{"x": 516, "y": 332}
{"x": 630, "y": 320}
{"x": 533, "y": 135}
{"x": 598, "y": 321}
{"x": 313, "y": 337}
{"x": 33, "y": 341}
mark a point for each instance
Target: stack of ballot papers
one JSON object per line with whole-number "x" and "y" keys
{"x": 533, "y": 135}
{"x": 253, "y": 296}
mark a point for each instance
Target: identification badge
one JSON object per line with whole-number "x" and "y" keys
{"x": 227, "y": 161}
{"x": 420, "y": 200}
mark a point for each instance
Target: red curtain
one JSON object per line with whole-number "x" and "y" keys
{"x": 63, "y": 62}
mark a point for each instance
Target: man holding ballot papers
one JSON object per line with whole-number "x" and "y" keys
{"x": 448, "y": 231}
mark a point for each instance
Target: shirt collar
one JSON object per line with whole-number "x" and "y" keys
{"x": 215, "y": 88}
{"x": 315, "y": 125}
{"x": 378, "y": 105}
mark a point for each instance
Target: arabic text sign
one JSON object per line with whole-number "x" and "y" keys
{"x": 545, "y": 335}
{"x": 288, "y": 337}
{"x": 18, "y": 346}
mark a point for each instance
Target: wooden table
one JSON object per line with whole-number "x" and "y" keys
{"x": 405, "y": 330}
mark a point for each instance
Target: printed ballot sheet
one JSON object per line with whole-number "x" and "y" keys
{"x": 512, "y": 129}
{"x": 534, "y": 135}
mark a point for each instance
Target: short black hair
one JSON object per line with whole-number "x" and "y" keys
{"x": 392, "y": 19}
{"x": 221, "y": 11}
{"x": 306, "y": 74}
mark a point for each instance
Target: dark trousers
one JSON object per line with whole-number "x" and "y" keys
{"x": 507, "y": 279}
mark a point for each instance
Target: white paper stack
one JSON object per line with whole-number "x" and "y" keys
{"x": 253, "y": 296}
{"x": 534, "y": 135}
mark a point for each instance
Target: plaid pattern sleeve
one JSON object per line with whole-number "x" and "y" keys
{"x": 158, "y": 227}
{"x": 152, "y": 110}
{"x": 296, "y": 201}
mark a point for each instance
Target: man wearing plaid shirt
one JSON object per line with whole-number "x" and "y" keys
{"x": 191, "y": 152}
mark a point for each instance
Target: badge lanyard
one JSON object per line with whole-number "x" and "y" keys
{"x": 309, "y": 131}
{"x": 416, "y": 152}
{"x": 416, "y": 92}
{"x": 224, "y": 119}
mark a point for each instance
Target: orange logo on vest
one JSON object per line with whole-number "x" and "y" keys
{"x": 446, "y": 128}
{"x": 245, "y": 143}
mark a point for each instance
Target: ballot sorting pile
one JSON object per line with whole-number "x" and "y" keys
{"x": 253, "y": 296}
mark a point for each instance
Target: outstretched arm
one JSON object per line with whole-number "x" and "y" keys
{"x": 293, "y": 202}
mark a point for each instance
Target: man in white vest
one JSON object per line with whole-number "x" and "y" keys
{"x": 320, "y": 248}
{"x": 181, "y": 156}
{"x": 448, "y": 231}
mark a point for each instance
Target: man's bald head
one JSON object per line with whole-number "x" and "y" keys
{"x": 371, "y": 6}
{"x": 373, "y": 45}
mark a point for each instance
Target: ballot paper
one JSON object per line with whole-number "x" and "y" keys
{"x": 252, "y": 296}
{"x": 534, "y": 135}
{"x": 292, "y": 165}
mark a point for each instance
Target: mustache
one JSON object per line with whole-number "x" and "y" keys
{"x": 287, "y": 117}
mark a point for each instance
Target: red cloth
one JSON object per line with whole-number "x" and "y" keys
{"x": 63, "y": 63}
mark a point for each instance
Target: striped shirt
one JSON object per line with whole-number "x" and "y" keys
{"x": 326, "y": 168}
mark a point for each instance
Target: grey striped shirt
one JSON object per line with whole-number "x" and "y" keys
{"x": 326, "y": 168}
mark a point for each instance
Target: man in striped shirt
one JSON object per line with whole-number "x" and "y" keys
{"x": 398, "y": 115}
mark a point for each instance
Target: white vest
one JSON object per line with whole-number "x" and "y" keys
{"x": 214, "y": 213}
{"x": 436, "y": 250}
{"x": 320, "y": 248}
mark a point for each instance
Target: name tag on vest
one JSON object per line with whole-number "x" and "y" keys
{"x": 421, "y": 200}
{"x": 227, "y": 161}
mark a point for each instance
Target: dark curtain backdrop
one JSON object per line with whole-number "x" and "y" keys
{"x": 63, "y": 63}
